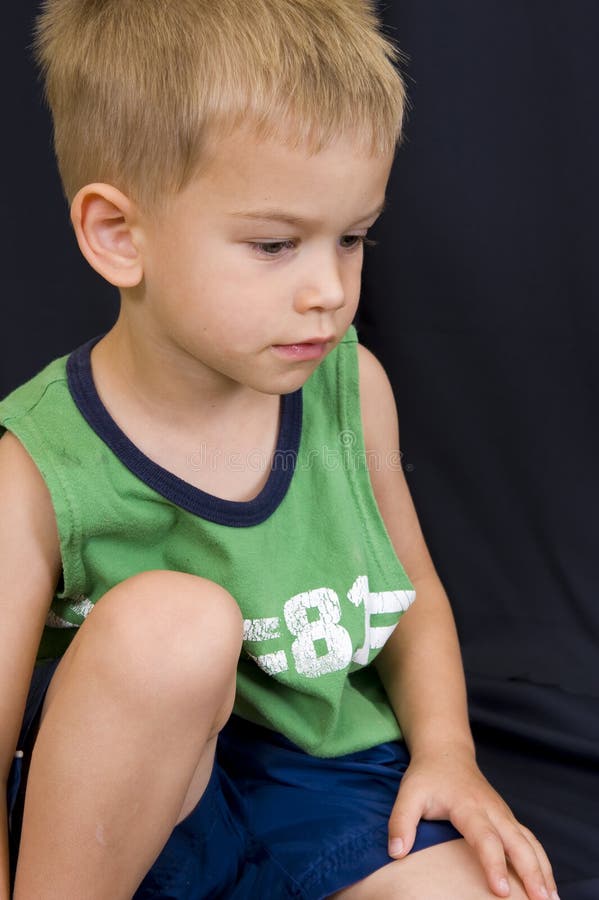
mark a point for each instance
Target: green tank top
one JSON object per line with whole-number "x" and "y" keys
{"x": 309, "y": 560}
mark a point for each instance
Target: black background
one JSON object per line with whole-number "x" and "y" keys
{"x": 480, "y": 299}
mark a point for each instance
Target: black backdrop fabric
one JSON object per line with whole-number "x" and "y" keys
{"x": 481, "y": 302}
{"x": 480, "y": 299}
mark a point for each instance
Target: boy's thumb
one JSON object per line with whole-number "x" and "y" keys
{"x": 403, "y": 821}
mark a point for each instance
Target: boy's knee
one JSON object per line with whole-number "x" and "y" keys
{"x": 172, "y": 632}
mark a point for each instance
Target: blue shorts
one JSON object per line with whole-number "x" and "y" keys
{"x": 273, "y": 821}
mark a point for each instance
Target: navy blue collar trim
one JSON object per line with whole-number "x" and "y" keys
{"x": 180, "y": 492}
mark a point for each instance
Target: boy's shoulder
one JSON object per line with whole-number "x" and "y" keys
{"x": 27, "y": 396}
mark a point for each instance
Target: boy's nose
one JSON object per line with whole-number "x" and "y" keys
{"x": 322, "y": 287}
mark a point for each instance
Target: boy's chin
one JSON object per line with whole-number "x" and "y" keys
{"x": 286, "y": 382}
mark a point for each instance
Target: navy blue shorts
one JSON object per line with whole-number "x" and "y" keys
{"x": 273, "y": 821}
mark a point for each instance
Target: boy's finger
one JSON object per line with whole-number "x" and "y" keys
{"x": 491, "y": 848}
{"x": 543, "y": 860}
{"x": 527, "y": 863}
{"x": 403, "y": 821}
{"x": 488, "y": 846}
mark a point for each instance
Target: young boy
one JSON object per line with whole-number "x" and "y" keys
{"x": 187, "y": 519}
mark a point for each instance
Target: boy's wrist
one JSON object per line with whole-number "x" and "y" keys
{"x": 441, "y": 742}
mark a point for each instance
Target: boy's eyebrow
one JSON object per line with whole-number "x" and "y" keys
{"x": 279, "y": 215}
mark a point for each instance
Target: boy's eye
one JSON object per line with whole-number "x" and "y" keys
{"x": 350, "y": 241}
{"x": 273, "y": 248}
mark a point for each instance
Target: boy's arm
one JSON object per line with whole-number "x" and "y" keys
{"x": 421, "y": 669}
{"x": 30, "y": 567}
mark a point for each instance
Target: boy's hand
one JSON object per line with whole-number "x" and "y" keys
{"x": 449, "y": 785}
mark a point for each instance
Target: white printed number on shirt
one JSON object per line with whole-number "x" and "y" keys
{"x": 325, "y": 628}
{"x": 376, "y": 637}
{"x": 322, "y": 644}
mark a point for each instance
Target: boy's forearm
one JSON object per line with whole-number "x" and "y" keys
{"x": 421, "y": 669}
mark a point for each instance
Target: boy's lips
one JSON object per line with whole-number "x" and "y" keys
{"x": 310, "y": 349}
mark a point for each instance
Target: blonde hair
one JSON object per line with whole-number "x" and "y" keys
{"x": 138, "y": 87}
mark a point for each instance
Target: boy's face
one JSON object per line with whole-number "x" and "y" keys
{"x": 259, "y": 255}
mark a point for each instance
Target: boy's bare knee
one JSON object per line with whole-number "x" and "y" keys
{"x": 172, "y": 608}
{"x": 167, "y": 633}
{"x": 448, "y": 871}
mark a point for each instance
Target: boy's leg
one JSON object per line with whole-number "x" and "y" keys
{"x": 127, "y": 737}
{"x": 448, "y": 871}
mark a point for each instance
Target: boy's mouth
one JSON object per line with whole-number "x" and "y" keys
{"x": 311, "y": 349}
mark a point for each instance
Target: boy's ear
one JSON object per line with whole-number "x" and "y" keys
{"x": 103, "y": 219}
